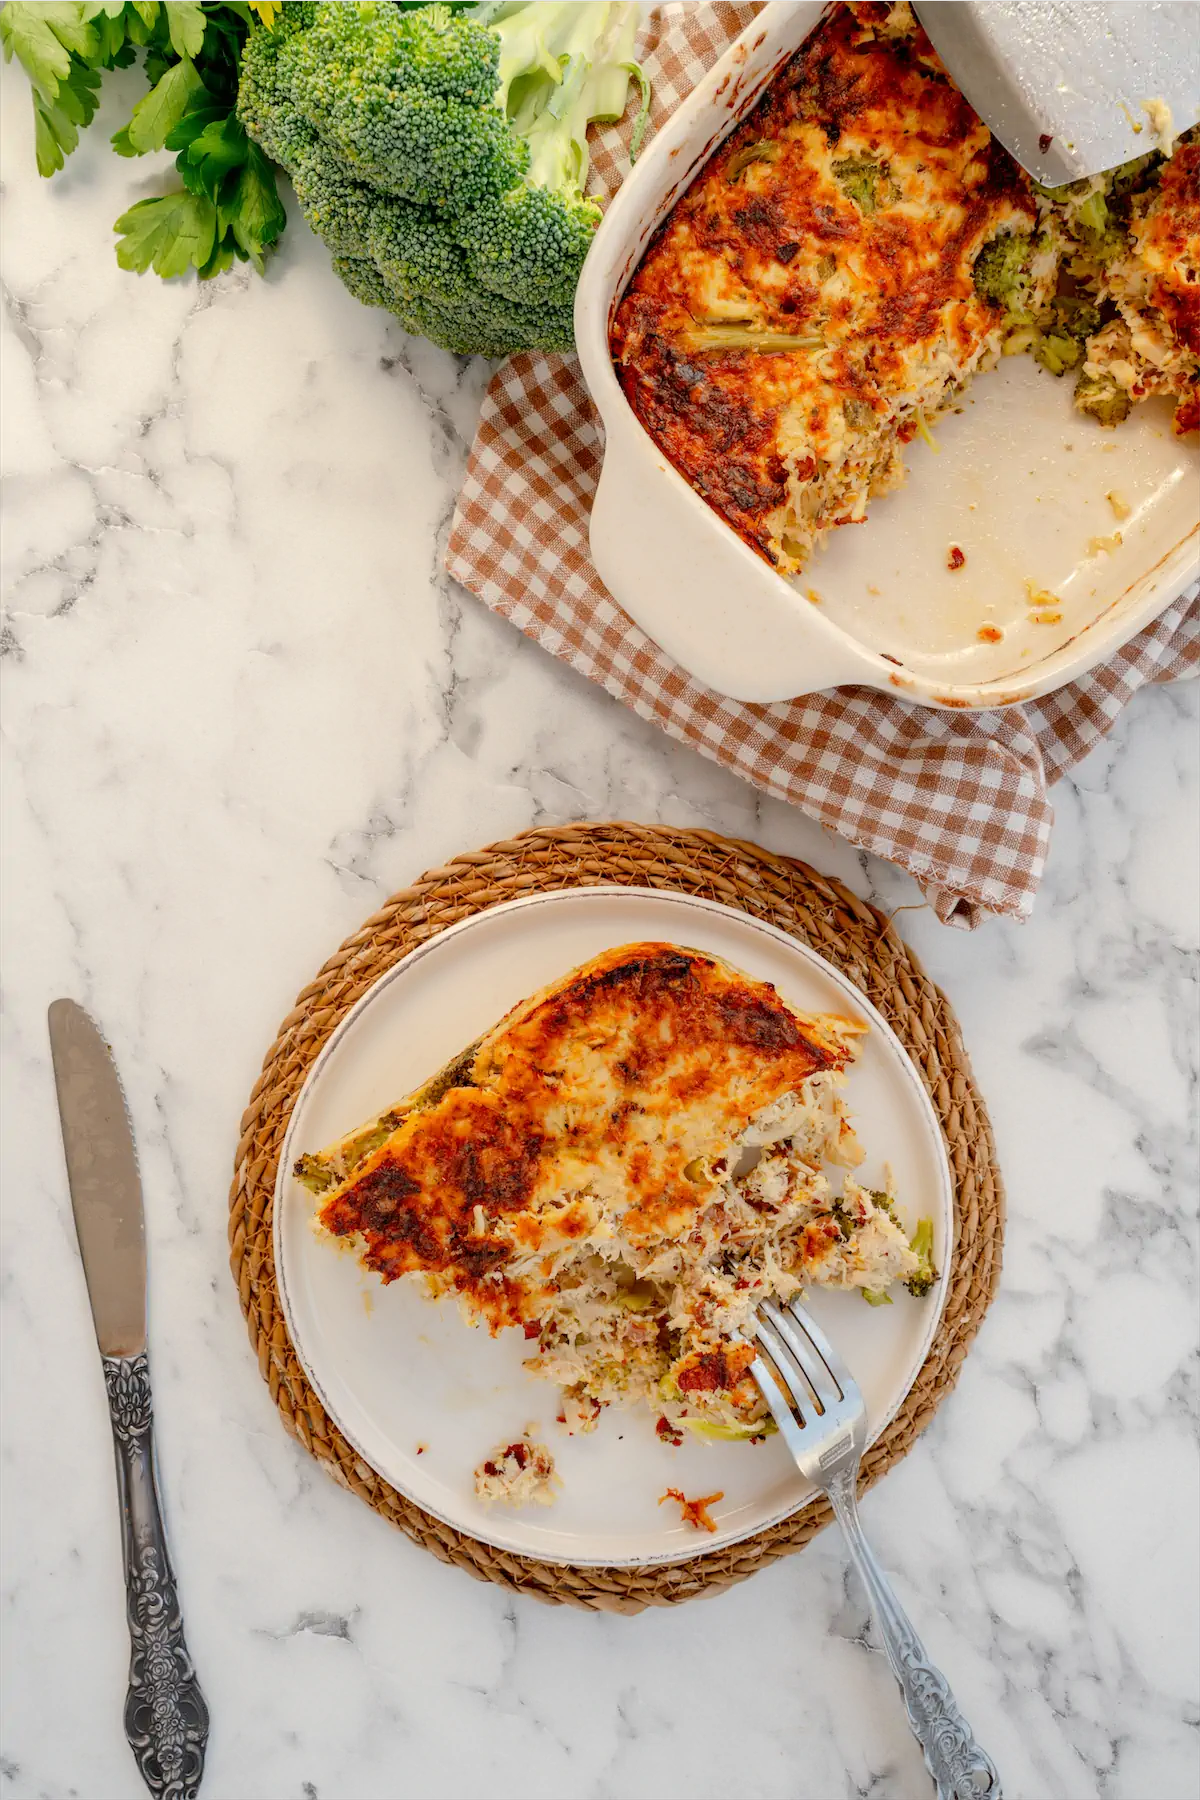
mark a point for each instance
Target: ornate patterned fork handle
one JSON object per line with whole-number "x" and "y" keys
{"x": 166, "y": 1719}
{"x": 960, "y": 1768}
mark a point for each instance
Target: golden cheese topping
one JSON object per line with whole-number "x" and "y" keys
{"x": 602, "y": 1105}
{"x": 809, "y": 302}
{"x": 1158, "y": 284}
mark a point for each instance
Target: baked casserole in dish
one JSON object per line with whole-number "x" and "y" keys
{"x": 800, "y": 308}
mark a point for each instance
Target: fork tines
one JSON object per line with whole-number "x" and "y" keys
{"x": 815, "y": 1382}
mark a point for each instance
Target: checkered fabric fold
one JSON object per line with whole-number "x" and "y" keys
{"x": 960, "y": 801}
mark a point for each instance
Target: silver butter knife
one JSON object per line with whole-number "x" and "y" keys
{"x": 166, "y": 1719}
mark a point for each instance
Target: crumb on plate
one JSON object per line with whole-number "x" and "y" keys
{"x": 695, "y": 1512}
{"x": 1097, "y": 546}
{"x": 955, "y": 558}
{"x": 1161, "y": 124}
{"x": 1121, "y": 507}
{"x": 516, "y": 1474}
{"x": 989, "y": 634}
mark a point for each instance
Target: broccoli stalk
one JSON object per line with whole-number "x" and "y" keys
{"x": 441, "y": 152}
{"x": 921, "y": 1243}
{"x": 708, "y": 336}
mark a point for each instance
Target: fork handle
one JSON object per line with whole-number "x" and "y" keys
{"x": 960, "y": 1768}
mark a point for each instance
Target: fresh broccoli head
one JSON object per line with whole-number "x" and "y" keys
{"x": 441, "y": 152}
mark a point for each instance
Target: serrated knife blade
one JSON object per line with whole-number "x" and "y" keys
{"x": 166, "y": 1719}
{"x": 102, "y": 1173}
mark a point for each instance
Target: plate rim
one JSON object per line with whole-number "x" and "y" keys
{"x": 947, "y": 1199}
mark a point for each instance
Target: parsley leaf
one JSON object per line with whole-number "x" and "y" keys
{"x": 158, "y": 112}
{"x": 185, "y": 26}
{"x": 218, "y": 160}
{"x": 170, "y": 235}
{"x": 56, "y": 122}
{"x": 27, "y": 33}
{"x": 213, "y": 145}
{"x": 254, "y": 212}
{"x": 228, "y": 209}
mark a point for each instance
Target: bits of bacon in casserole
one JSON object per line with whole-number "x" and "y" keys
{"x": 579, "y": 1173}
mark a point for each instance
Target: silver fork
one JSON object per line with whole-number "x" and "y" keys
{"x": 823, "y": 1421}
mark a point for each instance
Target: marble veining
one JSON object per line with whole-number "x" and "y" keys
{"x": 242, "y": 704}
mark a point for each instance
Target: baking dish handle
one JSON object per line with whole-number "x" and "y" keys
{"x": 687, "y": 580}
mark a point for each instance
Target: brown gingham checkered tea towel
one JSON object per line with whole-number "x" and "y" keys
{"x": 960, "y": 801}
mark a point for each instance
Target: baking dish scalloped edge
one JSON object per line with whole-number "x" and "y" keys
{"x": 668, "y": 559}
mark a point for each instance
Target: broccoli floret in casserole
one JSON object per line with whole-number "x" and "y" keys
{"x": 1002, "y": 269}
{"x": 1103, "y": 398}
{"x": 921, "y": 1243}
{"x": 441, "y": 152}
{"x": 1062, "y": 341}
{"x": 862, "y": 179}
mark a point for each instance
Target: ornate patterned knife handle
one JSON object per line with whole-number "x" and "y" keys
{"x": 960, "y": 1768}
{"x": 166, "y": 1719}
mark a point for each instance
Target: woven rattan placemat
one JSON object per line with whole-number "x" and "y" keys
{"x": 855, "y": 937}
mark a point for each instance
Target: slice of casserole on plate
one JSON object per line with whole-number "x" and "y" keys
{"x": 623, "y": 1168}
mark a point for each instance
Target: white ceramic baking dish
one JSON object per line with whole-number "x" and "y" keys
{"x": 1019, "y": 482}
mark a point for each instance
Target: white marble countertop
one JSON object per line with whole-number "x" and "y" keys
{"x": 242, "y": 705}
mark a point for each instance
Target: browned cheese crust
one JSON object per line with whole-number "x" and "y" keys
{"x": 1167, "y": 239}
{"x": 609, "y": 1089}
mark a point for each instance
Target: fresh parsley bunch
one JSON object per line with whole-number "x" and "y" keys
{"x": 228, "y": 206}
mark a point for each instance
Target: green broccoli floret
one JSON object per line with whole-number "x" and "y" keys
{"x": 368, "y": 79}
{"x": 1063, "y": 343}
{"x": 1131, "y": 177}
{"x": 1057, "y": 352}
{"x": 1103, "y": 398}
{"x": 1093, "y": 215}
{"x": 1002, "y": 270}
{"x": 862, "y": 179}
{"x": 411, "y": 250}
{"x": 530, "y": 244}
{"x": 441, "y": 152}
{"x": 921, "y": 1242}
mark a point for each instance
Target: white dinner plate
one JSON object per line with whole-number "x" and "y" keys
{"x": 423, "y": 1397}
